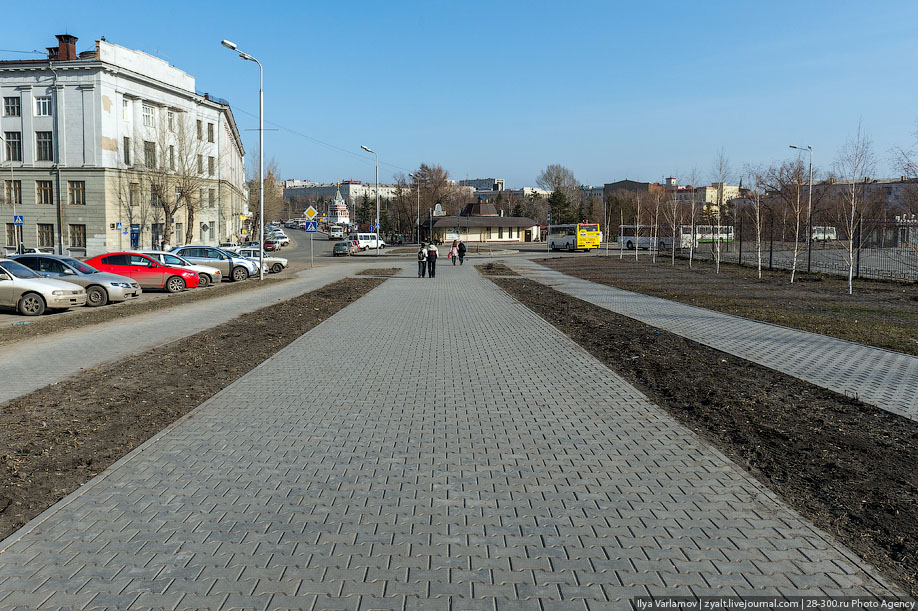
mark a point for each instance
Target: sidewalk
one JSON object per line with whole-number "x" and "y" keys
{"x": 33, "y": 363}
{"x": 451, "y": 464}
{"x": 886, "y": 379}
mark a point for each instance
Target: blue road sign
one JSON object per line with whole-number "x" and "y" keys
{"x": 17, "y": 219}
{"x": 311, "y": 226}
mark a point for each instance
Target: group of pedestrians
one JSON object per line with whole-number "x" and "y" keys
{"x": 428, "y": 253}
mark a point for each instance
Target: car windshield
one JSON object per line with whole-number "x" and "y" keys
{"x": 18, "y": 270}
{"x": 174, "y": 260}
{"x": 81, "y": 267}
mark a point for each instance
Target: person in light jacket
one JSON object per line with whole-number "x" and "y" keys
{"x": 422, "y": 260}
{"x": 454, "y": 251}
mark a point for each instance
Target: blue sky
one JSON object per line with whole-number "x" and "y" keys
{"x": 611, "y": 90}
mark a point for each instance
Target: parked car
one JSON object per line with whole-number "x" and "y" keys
{"x": 206, "y": 274}
{"x": 230, "y": 264}
{"x": 231, "y": 246}
{"x": 281, "y": 238}
{"x": 272, "y": 263}
{"x": 148, "y": 272}
{"x": 101, "y": 287}
{"x": 342, "y": 248}
{"x": 31, "y": 294}
{"x": 271, "y": 245}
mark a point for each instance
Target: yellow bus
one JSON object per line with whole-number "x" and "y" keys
{"x": 582, "y": 236}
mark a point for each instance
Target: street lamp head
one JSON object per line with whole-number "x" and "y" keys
{"x": 228, "y": 44}
{"x": 367, "y": 149}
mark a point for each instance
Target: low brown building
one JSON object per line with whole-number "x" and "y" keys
{"x": 480, "y": 222}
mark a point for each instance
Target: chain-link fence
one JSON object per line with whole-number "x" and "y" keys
{"x": 884, "y": 249}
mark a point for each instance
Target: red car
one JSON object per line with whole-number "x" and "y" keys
{"x": 148, "y": 272}
{"x": 270, "y": 245}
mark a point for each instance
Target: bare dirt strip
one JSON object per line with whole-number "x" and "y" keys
{"x": 58, "y": 437}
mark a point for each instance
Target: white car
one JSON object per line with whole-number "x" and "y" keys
{"x": 281, "y": 238}
{"x": 31, "y": 294}
{"x": 206, "y": 274}
{"x": 272, "y": 264}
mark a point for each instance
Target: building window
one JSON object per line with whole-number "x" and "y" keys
{"x": 78, "y": 236}
{"x": 10, "y": 234}
{"x": 200, "y": 164}
{"x": 13, "y": 146}
{"x": 126, "y": 109}
{"x": 207, "y": 232}
{"x": 200, "y": 130}
{"x": 11, "y": 107}
{"x": 127, "y": 151}
{"x": 202, "y": 196}
{"x": 77, "y": 189}
{"x": 210, "y": 165}
{"x": 149, "y": 154}
{"x": 171, "y": 157}
{"x": 134, "y": 194}
{"x": 210, "y": 132}
{"x": 500, "y": 233}
{"x": 12, "y": 190}
{"x": 170, "y": 119}
{"x": 43, "y": 106}
{"x": 489, "y": 233}
{"x": 43, "y": 148}
{"x": 44, "y": 192}
{"x": 147, "y": 116}
{"x": 178, "y": 195}
{"x": 45, "y": 235}
{"x": 212, "y": 198}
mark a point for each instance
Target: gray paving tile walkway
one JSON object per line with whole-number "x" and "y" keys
{"x": 879, "y": 377}
{"x": 37, "y": 362}
{"x": 469, "y": 457}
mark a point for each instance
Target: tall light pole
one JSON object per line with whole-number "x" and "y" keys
{"x": 261, "y": 154}
{"x": 378, "y": 232}
{"x": 417, "y": 222}
{"x": 809, "y": 222}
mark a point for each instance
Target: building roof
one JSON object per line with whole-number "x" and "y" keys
{"x": 448, "y": 222}
{"x": 479, "y": 209}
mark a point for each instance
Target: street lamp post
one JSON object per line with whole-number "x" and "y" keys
{"x": 809, "y": 222}
{"x": 17, "y": 229}
{"x": 378, "y": 232}
{"x": 417, "y": 222}
{"x": 261, "y": 154}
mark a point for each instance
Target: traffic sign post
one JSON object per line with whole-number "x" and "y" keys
{"x": 311, "y": 228}
{"x": 548, "y": 229}
{"x": 18, "y": 222}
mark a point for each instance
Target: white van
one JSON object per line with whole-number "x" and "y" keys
{"x": 366, "y": 240}
{"x": 336, "y": 233}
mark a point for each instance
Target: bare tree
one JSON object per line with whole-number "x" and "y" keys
{"x": 854, "y": 163}
{"x": 658, "y": 195}
{"x": 274, "y": 192}
{"x": 556, "y": 177}
{"x": 721, "y": 173}
{"x": 673, "y": 214}
{"x": 133, "y": 200}
{"x": 757, "y": 179}
{"x": 784, "y": 183}
{"x": 638, "y": 200}
{"x": 692, "y": 211}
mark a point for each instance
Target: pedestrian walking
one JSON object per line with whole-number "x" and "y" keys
{"x": 460, "y": 251}
{"x": 422, "y": 260}
{"x": 454, "y": 252}
{"x": 431, "y": 260}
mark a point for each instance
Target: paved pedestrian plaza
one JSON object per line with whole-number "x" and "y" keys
{"x": 464, "y": 455}
{"x": 883, "y": 378}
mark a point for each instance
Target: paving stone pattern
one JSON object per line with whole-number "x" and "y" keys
{"x": 883, "y": 378}
{"x": 469, "y": 457}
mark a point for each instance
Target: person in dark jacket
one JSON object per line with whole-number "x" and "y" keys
{"x": 431, "y": 260}
{"x": 422, "y": 260}
{"x": 461, "y": 251}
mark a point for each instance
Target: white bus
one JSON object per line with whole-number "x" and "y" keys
{"x": 642, "y": 236}
{"x": 706, "y": 234}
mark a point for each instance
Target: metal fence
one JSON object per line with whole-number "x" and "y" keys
{"x": 883, "y": 249}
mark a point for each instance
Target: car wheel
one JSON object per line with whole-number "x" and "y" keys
{"x": 203, "y": 280}
{"x": 277, "y": 268}
{"x": 240, "y": 274}
{"x": 570, "y": 248}
{"x": 31, "y": 304}
{"x": 175, "y": 284}
{"x": 96, "y": 296}
{"x": 629, "y": 245}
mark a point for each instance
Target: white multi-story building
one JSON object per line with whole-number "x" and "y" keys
{"x": 95, "y": 142}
